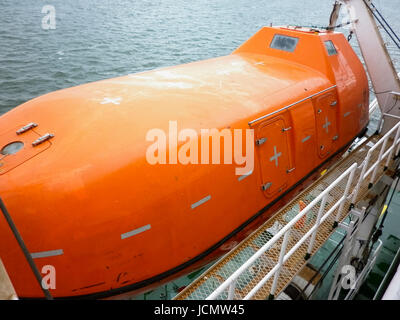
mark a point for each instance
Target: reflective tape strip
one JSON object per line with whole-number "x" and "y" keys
{"x": 245, "y": 175}
{"x": 45, "y": 254}
{"x": 135, "y": 232}
{"x": 200, "y": 202}
{"x": 305, "y": 139}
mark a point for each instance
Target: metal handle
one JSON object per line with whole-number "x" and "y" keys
{"x": 42, "y": 139}
{"x": 26, "y": 128}
{"x": 259, "y": 142}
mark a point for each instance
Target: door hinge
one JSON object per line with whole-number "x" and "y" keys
{"x": 42, "y": 139}
{"x": 26, "y": 128}
{"x": 259, "y": 142}
{"x": 266, "y": 186}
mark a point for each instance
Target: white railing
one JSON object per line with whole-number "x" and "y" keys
{"x": 230, "y": 283}
{"x": 373, "y": 106}
{"x": 366, "y": 169}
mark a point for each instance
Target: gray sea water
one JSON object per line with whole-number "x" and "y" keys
{"x": 100, "y": 39}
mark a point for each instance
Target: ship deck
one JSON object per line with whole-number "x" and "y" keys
{"x": 7, "y": 291}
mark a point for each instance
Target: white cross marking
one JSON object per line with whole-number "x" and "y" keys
{"x": 111, "y": 100}
{"x": 275, "y": 156}
{"x": 326, "y": 125}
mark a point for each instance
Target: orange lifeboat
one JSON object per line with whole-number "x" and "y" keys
{"x": 76, "y": 181}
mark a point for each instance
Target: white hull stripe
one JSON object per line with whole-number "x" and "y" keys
{"x": 245, "y": 175}
{"x": 45, "y": 254}
{"x": 135, "y": 232}
{"x": 305, "y": 139}
{"x": 200, "y": 202}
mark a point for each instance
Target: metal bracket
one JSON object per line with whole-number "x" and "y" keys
{"x": 26, "y": 128}
{"x": 290, "y": 170}
{"x": 266, "y": 186}
{"x": 344, "y": 226}
{"x": 42, "y": 139}
{"x": 286, "y": 129}
{"x": 357, "y": 213}
{"x": 334, "y": 103}
{"x": 259, "y": 142}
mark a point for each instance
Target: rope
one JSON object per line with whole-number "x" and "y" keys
{"x": 394, "y": 33}
{"x": 326, "y": 28}
{"x": 381, "y": 23}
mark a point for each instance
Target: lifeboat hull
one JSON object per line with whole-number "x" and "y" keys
{"x": 87, "y": 200}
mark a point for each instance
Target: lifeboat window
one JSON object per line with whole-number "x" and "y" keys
{"x": 330, "y": 47}
{"x": 284, "y": 43}
{"x": 12, "y": 148}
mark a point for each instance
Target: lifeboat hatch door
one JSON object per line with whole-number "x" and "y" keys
{"x": 273, "y": 154}
{"x": 19, "y": 145}
{"x": 326, "y": 107}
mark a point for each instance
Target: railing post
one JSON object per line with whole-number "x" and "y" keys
{"x": 346, "y": 192}
{"x": 390, "y": 156}
{"x": 280, "y": 263}
{"x": 364, "y": 168}
{"x": 372, "y": 179}
{"x": 317, "y": 223}
{"x": 231, "y": 290}
{"x": 398, "y": 147}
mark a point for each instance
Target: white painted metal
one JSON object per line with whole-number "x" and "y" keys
{"x": 379, "y": 65}
{"x": 373, "y": 106}
{"x": 393, "y": 290}
{"x": 319, "y": 216}
{"x": 280, "y": 261}
{"x": 334, "y": 15}
{"x": 366, "y": 170}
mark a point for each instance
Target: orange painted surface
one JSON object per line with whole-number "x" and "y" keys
{"x": 91, "y": 183}
{"x": 302, "y": 221}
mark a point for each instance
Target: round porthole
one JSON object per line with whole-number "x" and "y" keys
{"x": 12, "y": 148}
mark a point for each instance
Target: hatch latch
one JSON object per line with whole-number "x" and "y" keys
{"x": 26, "y": 128}
{"x": 42, "y": 139}
{"x": 259, "y": 142}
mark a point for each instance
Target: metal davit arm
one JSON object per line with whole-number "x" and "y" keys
{"x": 24, "y": 249}
{"x": 376, "y": 56}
